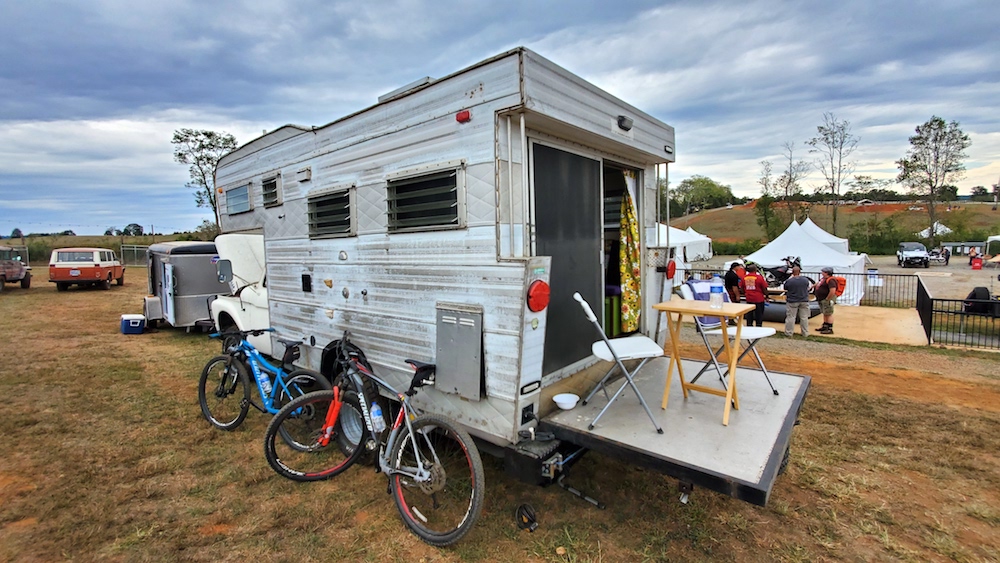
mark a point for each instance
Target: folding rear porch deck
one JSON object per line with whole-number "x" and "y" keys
{"x": 740, "y": 460}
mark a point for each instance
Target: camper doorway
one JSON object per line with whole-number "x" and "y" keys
{"x": 577, "y": 202}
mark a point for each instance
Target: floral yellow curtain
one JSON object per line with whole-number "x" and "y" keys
{"x": 629, "y": 257}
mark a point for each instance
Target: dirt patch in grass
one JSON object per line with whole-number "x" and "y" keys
{"x": 107, "y": 457}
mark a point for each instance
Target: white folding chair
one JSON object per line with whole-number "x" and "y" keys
{"x": 618, "y": 350}
{"x": 750, "y": 334}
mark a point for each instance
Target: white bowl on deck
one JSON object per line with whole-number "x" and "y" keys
{"x": 566, "y": 401}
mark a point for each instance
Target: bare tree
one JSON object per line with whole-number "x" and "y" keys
{"x": 833, "y": 145}
{"x": 202, "y": 149}
{"x": 786, "y": 188}
{"x": 934, "y": 162}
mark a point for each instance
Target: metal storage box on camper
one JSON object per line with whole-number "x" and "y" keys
{"x": 183, "y": 281}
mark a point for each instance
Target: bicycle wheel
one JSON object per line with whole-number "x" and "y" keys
{"x": 302, "y": 421}
{"x": 298, "y": 383}
{"x": 224, "y": 392}
{"x": 444, "y": 507}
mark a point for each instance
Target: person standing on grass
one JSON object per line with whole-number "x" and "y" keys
{"x": 797, "y": 303}
{"x": 754, "y": 286}
{"x": 826, "y": 294}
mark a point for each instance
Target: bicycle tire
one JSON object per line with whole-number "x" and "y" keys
{"x": 223, "y": 385}
{"x": 299, "y": 382}
{"x": 303, "y": 420}
{"x": 444, "y": 509}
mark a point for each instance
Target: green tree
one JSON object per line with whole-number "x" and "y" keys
{"x": 201, "y": 150}
{"x": 935, "y": 161}
{"x": 132, "y": 230}
{"x": 766, "y": 218}
{"x": 833, "y": 144}
{"x": 702, "y": 192}
{"x": 16, "y": 233}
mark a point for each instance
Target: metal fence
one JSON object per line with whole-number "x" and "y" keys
{"x": 880, "y": 290}
{"x": 133, "y": 254}
{"x": 972, "y": 323}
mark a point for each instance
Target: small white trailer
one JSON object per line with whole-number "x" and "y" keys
{"x": 452, "y": 222}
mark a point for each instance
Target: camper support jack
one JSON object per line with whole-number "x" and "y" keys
{"x": 557, "y": 465}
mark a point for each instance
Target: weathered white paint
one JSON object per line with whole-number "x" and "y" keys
{"x": 383, "y": 286}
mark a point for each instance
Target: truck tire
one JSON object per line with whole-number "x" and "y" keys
{"x": 61, "y": 286}
{"x": 26, "y": 281}
{"x": 106, "y": 284}
{"x": 121, "y": 280}
{"x": 3, "y": 282}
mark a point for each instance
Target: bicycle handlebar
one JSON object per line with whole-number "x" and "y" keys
{"x": 241, "y": 333}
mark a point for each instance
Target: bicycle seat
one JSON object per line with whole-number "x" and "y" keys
{"x": 288, "y": 342}
{"x": 418, "y": 365}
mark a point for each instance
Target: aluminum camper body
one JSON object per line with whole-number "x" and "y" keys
{"x": 531, "y": 162}
{"x": 182, "y": 283}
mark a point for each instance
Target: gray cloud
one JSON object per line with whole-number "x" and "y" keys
{"x": 93, "y": 90}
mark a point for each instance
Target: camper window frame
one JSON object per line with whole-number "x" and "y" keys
{"x": 335, "y": 191}
{"x": 452, "y": 168}
{"x": 249, "y": 194}
{"x": 274, "y": 178}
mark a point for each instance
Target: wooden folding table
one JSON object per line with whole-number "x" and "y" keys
{"x": 675, "y": 310}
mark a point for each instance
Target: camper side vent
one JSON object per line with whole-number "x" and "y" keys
{"x": 424, "y": 201}
{"x": 331, "y": 214}
{"x": 271, "y": 191}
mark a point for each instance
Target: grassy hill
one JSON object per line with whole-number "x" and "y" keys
{"x": 740, "y": 222}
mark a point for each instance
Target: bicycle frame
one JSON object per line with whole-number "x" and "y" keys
{"x": 259, "y": 365}
{"x": 407, "y": 412}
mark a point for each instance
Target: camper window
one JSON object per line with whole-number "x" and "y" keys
{"x": 332, "y": 214}
{"x": 270, "y": 190}
{"x": 424, "y": 201}
{"x": 238, "y": 200}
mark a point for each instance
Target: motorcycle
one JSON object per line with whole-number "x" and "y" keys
{"x": 776, "y": 276}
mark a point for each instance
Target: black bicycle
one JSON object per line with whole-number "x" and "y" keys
{"x": 434, "y": 469}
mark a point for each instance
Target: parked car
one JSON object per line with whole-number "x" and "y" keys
{"x": 912, "y": 254}
{"x": 12, "y": 269}
{"x": 85, "y": 266}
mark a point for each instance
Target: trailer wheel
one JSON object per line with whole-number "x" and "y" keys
{"x": 784, "y": 460}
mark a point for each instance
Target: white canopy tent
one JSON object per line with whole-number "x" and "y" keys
{"x": 818, "y": 233}
{"x": 992, "y": 243}
{"x": 689, "y": 247}
{"x": 814, "y": 256}
{"x": 939, "y": 229}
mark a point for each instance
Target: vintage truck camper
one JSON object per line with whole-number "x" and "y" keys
{"x": 452, "y": 222}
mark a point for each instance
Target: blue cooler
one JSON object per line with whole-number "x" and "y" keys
{"x": 133, "y": 324}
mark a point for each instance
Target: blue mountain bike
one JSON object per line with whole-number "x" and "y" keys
{"x": 224, "y": 387}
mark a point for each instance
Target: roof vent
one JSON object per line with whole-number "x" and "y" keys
{"x": 405, "y": 89}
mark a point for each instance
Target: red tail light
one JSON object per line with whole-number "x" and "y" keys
{"x": 538, "y": 296}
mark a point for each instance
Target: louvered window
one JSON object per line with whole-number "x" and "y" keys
{"x": 238, "y": 200}
{"x": 270, "y": 190}
{"x": 332, "y": 214}
{"x": 423, "y": 202}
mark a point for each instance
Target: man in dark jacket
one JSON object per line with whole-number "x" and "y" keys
{"x": 797, "y": 302}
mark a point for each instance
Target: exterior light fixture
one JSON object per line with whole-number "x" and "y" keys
{"x": 624, "y": 123}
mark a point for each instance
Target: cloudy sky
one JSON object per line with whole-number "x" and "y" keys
{"x": 91, "y": 92}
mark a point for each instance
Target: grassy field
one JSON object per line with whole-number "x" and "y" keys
{"x": 106, "y": 456}
{"x": 740, "y": 222}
